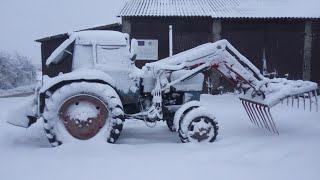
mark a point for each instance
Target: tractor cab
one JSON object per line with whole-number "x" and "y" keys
{"x": 95, "y": 48}
{"x": 105, "y": 51}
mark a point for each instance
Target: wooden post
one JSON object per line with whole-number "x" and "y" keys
{"x": 216, "y": 30}
{"x": 216, "y": 36}
{"x": 307, "y": 54}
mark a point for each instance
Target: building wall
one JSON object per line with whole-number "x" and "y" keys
{"x": 280, "y": 41}
{"x": 187, "y": 33}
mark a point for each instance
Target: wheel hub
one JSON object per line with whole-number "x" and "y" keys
{"x": 83, "y": 116}
{"x": 200, "y": 129}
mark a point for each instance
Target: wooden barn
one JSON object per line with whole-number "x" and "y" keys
{"x": 285, "y": 34}
{"x": 280, "y": 37}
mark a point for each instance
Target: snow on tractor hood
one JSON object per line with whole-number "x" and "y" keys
{"x": 79, "y": 74}
{"x": 96, "y": 37}
{"x": 112, "y": 38}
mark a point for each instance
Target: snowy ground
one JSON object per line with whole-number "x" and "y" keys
{"x": 242, "y": 151}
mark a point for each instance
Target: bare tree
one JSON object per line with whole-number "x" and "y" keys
{"x": 15, "y": 70}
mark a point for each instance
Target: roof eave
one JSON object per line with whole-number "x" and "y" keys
{"x": 67, "y": 35}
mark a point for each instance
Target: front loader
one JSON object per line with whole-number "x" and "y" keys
{"x": 104, "y": 88}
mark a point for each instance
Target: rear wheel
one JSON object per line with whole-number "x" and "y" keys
{"x": 83, "y": 111}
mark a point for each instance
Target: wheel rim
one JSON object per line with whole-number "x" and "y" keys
{"x": 200, "y": 129}
{"x": 83, "y": 116}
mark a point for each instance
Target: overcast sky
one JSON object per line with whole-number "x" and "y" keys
{"x": 23, "y": 21}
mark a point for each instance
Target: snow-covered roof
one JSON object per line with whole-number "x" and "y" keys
{"x": 113, "y": 26}
{"x": 223, "y": 8}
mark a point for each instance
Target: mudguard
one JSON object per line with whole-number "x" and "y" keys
{"x": 79, "y": 74}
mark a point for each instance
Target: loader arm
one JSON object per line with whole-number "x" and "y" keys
{"x": 260, "y": 93}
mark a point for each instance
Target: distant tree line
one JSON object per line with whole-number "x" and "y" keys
{"x": 16, "y": 70}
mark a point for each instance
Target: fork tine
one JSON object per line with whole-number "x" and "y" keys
{"x": 246, "y": 108}
{"x": 251, "y": 113}
{"x": 266, "y": 118}
{"x": 287, "y": 101}
{"x": 262, "y": 117}
{"x": 270, "y": 119}
{"x": 310, "y": 101}
{"x": 256, "y": 110}
{"x": 304, "y": 101}
{"x": 316, "y": 97}
{"x": 256, "y": 115}
{"x": 298, "y": 101}
{"x": 292, "y": 99}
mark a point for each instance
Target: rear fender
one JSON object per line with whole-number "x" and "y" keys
{"x": 77, "y": 75}
{"x": 50, "y": 85}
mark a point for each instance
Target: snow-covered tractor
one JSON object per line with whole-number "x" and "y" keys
{"x": 105, "y": 88}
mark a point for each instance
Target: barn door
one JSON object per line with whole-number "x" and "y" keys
{"x": 284, "y": 53}
{"x": 248, "y": 42}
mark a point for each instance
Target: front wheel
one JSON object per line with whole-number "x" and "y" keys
{"x": 83, "y": 111}
{"x": 198, "y": 125}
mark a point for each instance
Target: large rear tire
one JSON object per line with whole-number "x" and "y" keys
{"x": 83, "y": 111}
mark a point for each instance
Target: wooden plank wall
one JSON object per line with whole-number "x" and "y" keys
{"x": 187, "y": 33}
{"x": 282, "y": 40}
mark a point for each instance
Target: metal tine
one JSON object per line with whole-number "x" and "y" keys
{"x": 270, "y": 118}
{"x": 274, "y": 125}
{"x": 256, "y": 115}
{"x": 243, "y": 103}
{"x": 298, "y": 100}
{"x": 316, "y": 97}
{"x": 251, "y": 113}
{"x": 309, "y": 93}
{"x": 292, "y": 99}
{"x": 266, "y": 117}
{"x": 288, "y": 101}
{"x": 255, "y": 108}
{"x": 262, "y": 117}
{"x": 304, "y": 101}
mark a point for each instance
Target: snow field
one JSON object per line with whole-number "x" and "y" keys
{"x": 241, "y": 151}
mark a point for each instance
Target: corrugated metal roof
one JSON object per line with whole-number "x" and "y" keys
{"x": 223, "y": 8}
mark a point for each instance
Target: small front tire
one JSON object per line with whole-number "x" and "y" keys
{"x": 198, "y": 125}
